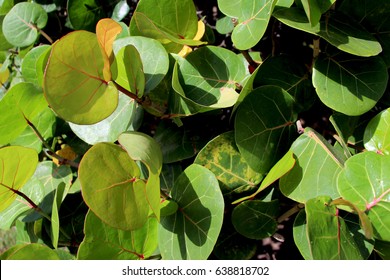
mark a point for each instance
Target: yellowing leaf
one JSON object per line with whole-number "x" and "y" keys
{"x": 4, "y": 75}
{"x": 199, "y": 34}
{"x": 66, "y": 152}
{"x": 106, "y": 31}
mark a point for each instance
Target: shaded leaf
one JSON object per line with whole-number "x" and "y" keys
{"x": 85, "y": 14}
{"x": 315, "y": 8}
{"x": 74, "y": 87}
{"x": 168, "y": 207}
{"x": 102, "y": 242}
{"x": 192, "y": 231}
{"x": 55, "y": 218}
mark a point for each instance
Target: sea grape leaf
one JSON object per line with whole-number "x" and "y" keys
{"x": 32, "y": 251}
{"x": 252, "y": 20}
{"x": 74, "y": 87}
{"x": 349, "y": 84}
{"x": 22, "y": 23}
{"x": 106, "y": 31}
{"x": 383, "y": 249}
{"x": 284, "y": 165}
{"x": 33, "y": 64}
{"x": 256, "y": 219}
{"x": 121, "y": 10}
{"x": 112, "y": 188}
{"x": 317, "y": 165}
{"x": 337, "y": 28}
{"x": 375, "y": 17}
{"x": 222, "y": 157}
{"x": 168, "y": 207}
{"x": 174, "y": 24}
{"x": 4, "y": 44}
{"x": 263, "y": 126}
{"x": 327, "y": 232}
{"x": 168, "y": 176}
{"x": 128, "y": 70}
{"x": 192, "y": 231}
{"x": 86, "y": 14}
{"x": 365, "y": 182}
{"x": 144, "y": 148}
{"x": 155, "y": 60}
{"x": 125, "y": 116}
{"x": 102, "y": 242}
{"x": 55, "y": 218}
{"x": 224, "y": 25}
{"x": 17, "y": 165}
{"x": 315, "y": 8}
{"x": 377, "y": 133}
{"x": 22, "y": 102}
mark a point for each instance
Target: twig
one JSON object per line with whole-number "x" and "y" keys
{"x": 290, "y": 212}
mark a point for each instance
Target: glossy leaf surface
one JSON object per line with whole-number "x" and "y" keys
{"x": 192, "y": 231}
{"x": 377, "y": 133}
{"x": 75, "y": 88}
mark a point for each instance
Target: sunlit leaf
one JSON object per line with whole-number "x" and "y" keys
{"x": 377, "y": 133}
{"x": 29, "y": 252}
{"x": 34, "y": 63}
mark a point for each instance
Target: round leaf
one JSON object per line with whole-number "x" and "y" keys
{"x": 21, "y": 24}
{"x": 30, "y": 252}
{"x": 17, "y": 165}
{"x": 263, "y": 126}
{"x": 350, "y": 85}
{"x": 365, "y": 182}
{"x": 377, "y": 133}
{"x": 111, "y": 187}
{"x": 256, "y": 219}
{"x": 102, "y": 242}
{"x": 85, "y": 14}
{"x": 74, "y": 87}
{"x": 192, "y": 231}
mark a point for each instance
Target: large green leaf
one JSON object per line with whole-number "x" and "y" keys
{"x": 192, "y": 231}
{"x": 102, "y": 242}
{"x": 86, "y": 13}
{"x": 377, "y": 133}
{"x": 252, "y": 20}
{"x": 349, "y": 84}
{"x": 256, "y": 219}
{"x": 21, "y": 24}
{"x": 328, "y": 235}
{"x": 222, "y": 157}
{"x": 154, "y": 58}
{"x": 336, "y": 28}
{"x": 144, "y": 148}
{"x": 365, "y": 182}
{"x": 29, "y": 252}
{"x": 17, "y": 165}
{"x": 316, "y": 168}
{"x": 74, "y": 87}
{"x": 22, "y": 102}
{"x": 125, "y": 117}
{"x": 205, "y": 80}
{"x": 263, "y": 125}
{"x": 112, "y": 188}
{"x": 375, "y": 17}
{"x": 173, "y": 23}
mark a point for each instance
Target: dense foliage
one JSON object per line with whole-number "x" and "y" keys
{"x": 165, "y": 129}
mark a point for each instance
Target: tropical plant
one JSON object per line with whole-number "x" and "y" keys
{"x": 129, "y": 131}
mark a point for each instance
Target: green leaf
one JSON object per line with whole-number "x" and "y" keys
{"x": 22, "y": 102}
{"x": 21, "y": 25}
{"x": 4, "y": 44}
{"x": 224, "y": 25}
{"x": 108, "y": 175}
{"x": 300, "y": 235}
{"x": 55, "y": 219}
{"x": 74, "y": 87}
{"x": 374, "y": 16}
{"x": 172, "y": 23}
{"x": 383, "y": 249}
{"x": 168, "y": 207}
{"x": 121, "y": 10}
{"x": 365, "y": 182}
{"x": 256, "y": 219}
{"x": 29, "y": 252}
{"x": 377, "y": 133}
{"x": 284, "y": 165}
{"x": 252, "y": 20}
{"x": 192, "y": 232}
{"x": 328, "y": 234}
{"x": 33, "y": 65}
{"x": 17, "y": 165}
{"x": 102, "y": 242}
{"x": 315, "y": 171}
{"x": 222, "y": 157}
{"x": 315, "y": 8}
{"x": 338, "y": 29}
{"x": 128, "y": 70}
{"x": 205, "y": 80}
{"x": 86, "y": 14}
{"x": 125, "y": 116}
{"x": 144, "y": 148}
{"x": 154, "y": 58}
{"x": 349, "y": 84}
{"x": 263, "y": 126}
